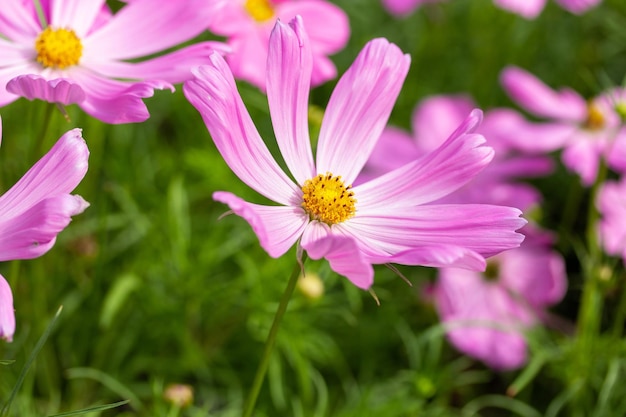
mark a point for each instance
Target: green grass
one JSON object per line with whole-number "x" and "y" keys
{"x": 157, "y": 290}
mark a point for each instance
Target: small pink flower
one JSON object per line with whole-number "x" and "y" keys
{"x": 385, "y": 220}
{"x": 486, "y": 314}
{"x": 433, "y": 121}
{"x": 611, "y": 203}
{"x": 84, "y": 54}
{"x": 588, "y": 131}
{"x": 247, "y": 25}
{"x": 530, "y": 9}
{"x": 37, "y": 208}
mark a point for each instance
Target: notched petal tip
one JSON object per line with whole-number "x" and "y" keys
{"x": 59, "y": 90}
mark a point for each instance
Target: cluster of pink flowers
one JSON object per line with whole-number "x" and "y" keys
{"x": 450, "y": 195}
{"x": 529, "y": 9}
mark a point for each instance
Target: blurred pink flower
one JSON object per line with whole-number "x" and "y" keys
{"x": 37, "y": 208}
{"x": 382, "y": 221}
{"x": 83, "y": 55}
{"x": 433, "y": 121}
{"x": 486, "y": 314}
{"x": 611, "y": 203}
{"x": 404, "y": 7}
{"x": 247, "y": 25}
{"x": 588, "y": 131}
{"x": 528, "y": 9}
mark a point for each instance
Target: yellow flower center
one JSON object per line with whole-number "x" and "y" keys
{"x": 58, "y": 48}
{"x": 595, "y": 118}
{"x": 326, "y": 198}
{"x": 260, "y": 10}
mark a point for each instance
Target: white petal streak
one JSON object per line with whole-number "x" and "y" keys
{"x": 214, "y": 94}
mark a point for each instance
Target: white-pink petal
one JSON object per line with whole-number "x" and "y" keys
{"x": 214, "y": 94}
{"x": 529, "y": 9}
{"x": 289, "y": 65}
{"x": 359, "y": 108}
{"x": 342, "y": 253}
{"x": 277, "y": 227}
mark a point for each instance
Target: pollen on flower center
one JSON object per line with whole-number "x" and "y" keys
{"x": 260, "y": 10}
{"x": 58, "y": 48}
{"x": 595, "y": 118}
{"x": 326, "y": 198}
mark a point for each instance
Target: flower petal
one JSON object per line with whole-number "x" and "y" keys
{"x": 578, "y": 6}
{"x": 341, "y": 252}
{"x": 58, "y": 172}
{"x": 59, "y": 90}
{"x": 359, "y": 108}
{"x": 289, "y": 66}
{"x": 529, "y": 9}
{"x": 432, "y": 176}
{"x": 32, "y": 232}
{"x": 174, "y": 67}
{"x": 277, "y": 227}
{"x": 78, "y": 15}
{"x": 7, "y": 313}
{"x": 480, "y": 228}
{"x": 140, "y": 28}
{"x": 214, "y": 94}
{"x": 19, "y": 21}
{"x": 536, "y": 97}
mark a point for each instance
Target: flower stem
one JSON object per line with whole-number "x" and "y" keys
{"x": 271, "y": 340}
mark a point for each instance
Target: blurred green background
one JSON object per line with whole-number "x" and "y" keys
{"x": 157, "y": 291}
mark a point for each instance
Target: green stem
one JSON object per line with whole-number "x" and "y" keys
{"x": 271, "y": 340}
{"x": 38, "y": 149}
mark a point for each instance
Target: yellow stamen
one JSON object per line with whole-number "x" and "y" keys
{"x": 58, "y": 48}
{"x": 260, "y": 10}
{"x": 595, "y": 118}
{"x": 326, "y": 198}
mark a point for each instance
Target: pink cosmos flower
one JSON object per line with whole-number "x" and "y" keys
{"x": 37, "y": 208}
{"x": 432, "y": 124}
{"x": 382, "y": 221}
{"x": 611, "y": 203}
{"x": 82, "y": 56}
{"x": 247, "y": 25}
{"x": 486, "y": 314}
{"x": 588, "y": 131}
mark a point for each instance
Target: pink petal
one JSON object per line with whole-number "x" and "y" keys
{"x": 431, "y": 177}
{"x": 214, "y": 94}
{"x": 529, "y": 9}
{"x": 7, "y": 313}
{"x": 394, "y": 149}
{"x": 439, "y": 256}
{"x": 578, "y": 6}
{"x": 436, "y": 118}
{"x": 58, "y": 172}
{"x": 277, "y": 227}
{"x": 359, "y": 108}
{"x": 32, "y": 232}
{"x": 583, "y": 156}
{"x": 482, "y": 319}
{"x": 174, "y": 67}
{"x": 289, "y": 66}
{"x": 536, "y": 97}
{"x": 248, "y": 59}
{"x": 59, "y": 90}
{"x": 341, "y": 252}
{"x": 403, "y": 7}
{"x": 480, "y": 228}
{"x": 78, "y": 15}
{"x": 18, "y": 23}
{"x": 611, "y": 203}
{"x": 326, "y": 24}
{"x": 140, "y": 28}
